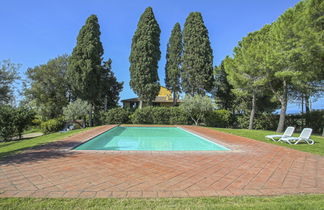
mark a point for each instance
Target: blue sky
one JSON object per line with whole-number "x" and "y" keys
{"x": 35, "y": 31}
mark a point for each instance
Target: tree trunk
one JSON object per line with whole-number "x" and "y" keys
{"x": 283, "y": 101}
{"x": 323, "y": 132}
{"x": 90, "y": 116}
{"x": 106, "y": 103}
{"x": 252, "y": 115}
{"x": 307, "y": 104}
{"x": 174, "y": 99}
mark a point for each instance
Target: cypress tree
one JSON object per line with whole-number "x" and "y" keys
{"x": 173, "y": 61}
{"x": 84, "y": 69}
{"x": 197, "y": 68}
{"x": 222, "y": 90}
{"x": 144, "y": 57}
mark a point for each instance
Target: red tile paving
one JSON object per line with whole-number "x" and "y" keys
{"x": 250, "y": 168}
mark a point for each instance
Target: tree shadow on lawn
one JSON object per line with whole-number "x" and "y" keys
{"x": 43, "y": 152}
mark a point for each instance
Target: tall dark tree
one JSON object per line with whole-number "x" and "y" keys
{"x": 197, "y": 74}
{"x": 173, "y": 62}
{"x": 84, "y": 69}
{"x": 144, "y": 57}
{"x": 110, "y": 87}
{"x": 47, "y": 91}
{"x": 8, "y": 74}
{"x": 222, "y": 90}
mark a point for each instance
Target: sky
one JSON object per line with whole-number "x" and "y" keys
{"x": 35, "y": 31}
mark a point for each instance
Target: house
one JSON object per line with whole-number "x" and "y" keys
{"x": 164, "y": 98}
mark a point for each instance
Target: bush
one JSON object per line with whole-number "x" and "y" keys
{"x": 115, "y": 116}
{"x": 142, "y": 116}
{"x": 178, "y": 116}
{"x": 218, "y": 118}
{"x": 52, "y": 125}
{"x": 160, "y": 115}
{"x": 266, "y": 121}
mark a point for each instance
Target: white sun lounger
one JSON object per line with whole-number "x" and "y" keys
{"x": 288, "y": 133}
{"x": 304, "y": 136}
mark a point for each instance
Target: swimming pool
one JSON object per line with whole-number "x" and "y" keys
{"x": 150, "y": 139}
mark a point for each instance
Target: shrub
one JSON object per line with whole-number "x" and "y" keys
{"x": 142, "y": 116}
{"x": 178, "y": 116}
{"x": 218, "y": 118}
{"x": 115, "y": 116}
{"x": 52, "y": 125}
{"x": 266, "y": 121}
{"x": 161, "y": 115}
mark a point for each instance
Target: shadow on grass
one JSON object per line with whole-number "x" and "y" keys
{"x": 38, "y": 153}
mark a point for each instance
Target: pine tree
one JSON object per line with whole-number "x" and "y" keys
{"x": 173, "y": 62}
{"x": 84, "y": 69}
{"x": 197, "y": 74}
{"x": 144, "y": 57}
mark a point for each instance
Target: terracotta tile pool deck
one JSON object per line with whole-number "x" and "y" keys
{"x": 251, "y": 168}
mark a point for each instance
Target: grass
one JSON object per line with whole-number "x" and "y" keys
{"x": 12, "y": 147}
{"x": 247, "y": 202}
{"x": 33, "y": 130}
{"x": 317, "y": 148}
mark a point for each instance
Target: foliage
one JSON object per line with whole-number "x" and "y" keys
{"x": 76, "y": 111}
{"x": 23, "y": 117}
{"x": 197, "y": 107}
{"x": 143, "y": 116}
{"x": 110, "y": 87}
{"x": 222, "y": 90}
{"x": 7, "y": 122}
{"x": 84, "y": 69}
{"x": 197, "y": 67}
{"x": 48, "y": 90}
{"x": 144, "y": 57}
{"x": 8, "y": 74}
{"x": 53, "y": 125}
{"x": 218, "y": 118}
{"x": 178, "y": 116}
{"x": 160, "y": 115}
{"x": 173, "y": 61}
{"x": 13, "y": 121}
{"x": 116, "y": 116}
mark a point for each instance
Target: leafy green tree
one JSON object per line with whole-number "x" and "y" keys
{"x": 76, "y": 111}
{"x": 8, "y": 74}
{"x": 84, "y": 69}
{"x": 222, "y": 91}
{"x": 144, "y": 57}
{"x": 110, "y": 88}
{"x": 285, "y": 60}
{"x": 197, "y": 67}
{"x": 47, "y": 91}
{"x": 173, "y": 62}
{"x": 245, "y": 72}
{"x": 22, "y": 118}
{"x": 197, "y": 107}
{"x": 7, "y": 123}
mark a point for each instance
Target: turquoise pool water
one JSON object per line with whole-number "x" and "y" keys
{"x": 150, "y": 139}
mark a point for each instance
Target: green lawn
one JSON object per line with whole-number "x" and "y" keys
{"x": 276, "y": 202}
{"x": 12, "y": 147}
{"x": 317, "y": 148}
